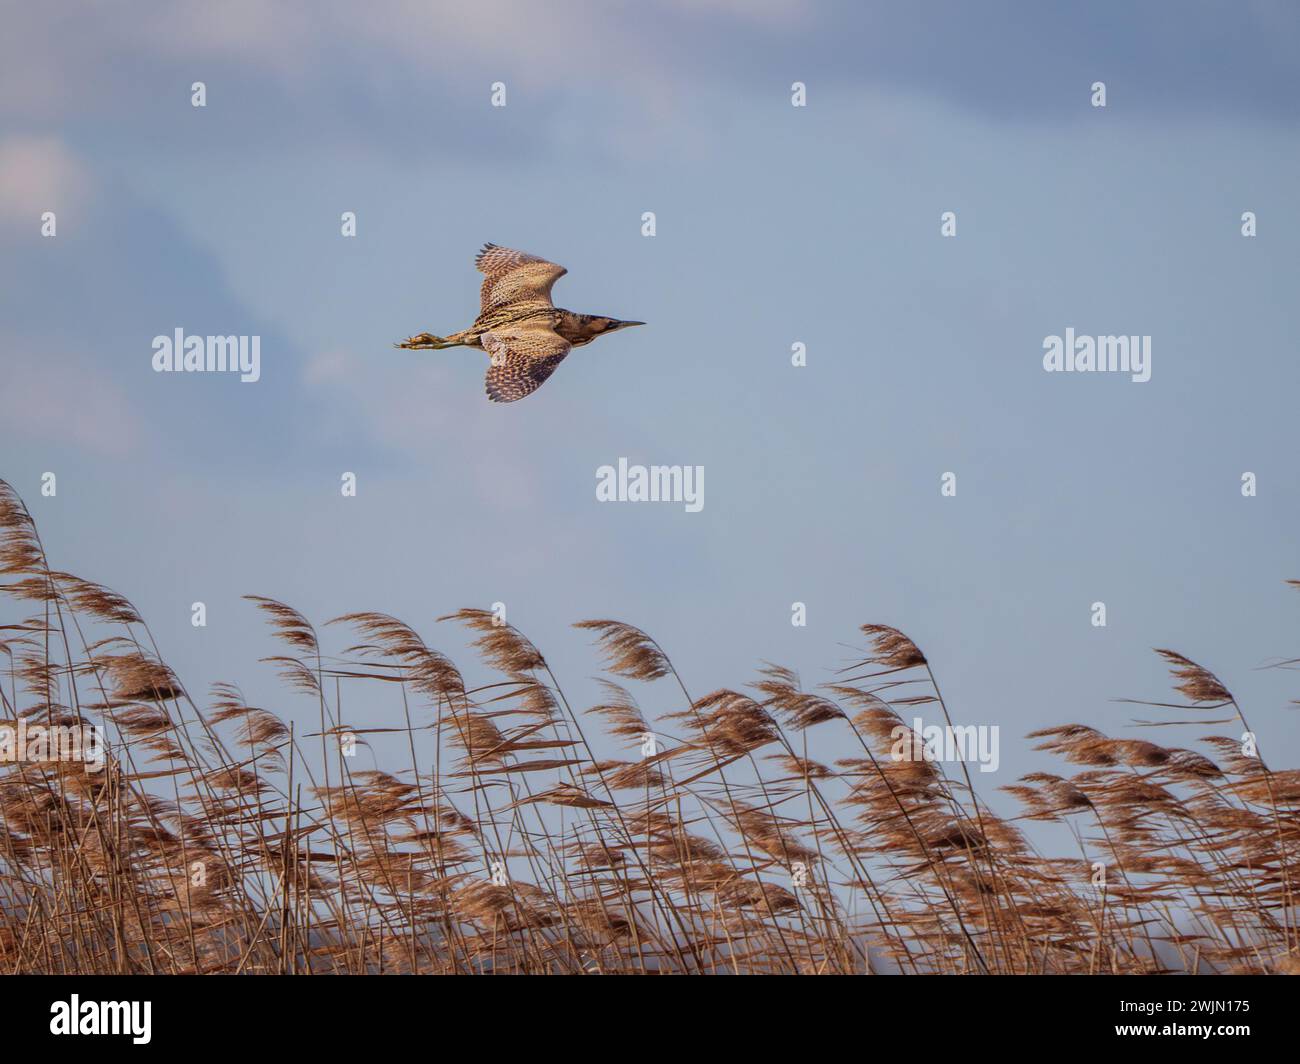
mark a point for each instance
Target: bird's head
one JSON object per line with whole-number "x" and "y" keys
{"x": 601, "y": 325}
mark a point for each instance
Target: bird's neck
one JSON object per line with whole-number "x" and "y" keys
{"x": 576, "y": 328}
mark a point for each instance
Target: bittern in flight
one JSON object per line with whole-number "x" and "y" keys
{"x": 525, "y": 335}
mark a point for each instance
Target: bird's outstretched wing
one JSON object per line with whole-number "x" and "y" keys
{"x": 523, "y": 356}
{"x": 512, "y": 276}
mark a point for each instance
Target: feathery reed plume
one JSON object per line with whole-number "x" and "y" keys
{"x": 1196, "y": 682}
{"x": 502, "y": 645}
{"x": 891, "y": 649}
{"x": 628, "y": 651}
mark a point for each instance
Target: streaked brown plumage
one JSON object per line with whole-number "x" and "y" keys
{"x": 524, "y": 334}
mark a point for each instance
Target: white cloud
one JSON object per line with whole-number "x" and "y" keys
{"x": 119, "y": 47}
{"x": 424, "y": 411}
{"x": 39, "y": 174}
{"x": 326, "y": 367}
{"x": 51, "y": 400}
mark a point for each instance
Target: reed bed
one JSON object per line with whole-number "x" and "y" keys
{"x": 218, "y": 838}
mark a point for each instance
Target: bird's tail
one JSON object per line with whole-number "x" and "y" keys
{"x": 427, "y": 341}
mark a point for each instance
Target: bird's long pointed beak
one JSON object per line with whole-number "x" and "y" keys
{"x": 632, "y": 323}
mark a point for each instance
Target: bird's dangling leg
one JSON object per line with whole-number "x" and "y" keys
{"x": 427, "y": 341}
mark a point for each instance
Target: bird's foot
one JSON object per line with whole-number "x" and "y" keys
{"x": 421, "y": 342}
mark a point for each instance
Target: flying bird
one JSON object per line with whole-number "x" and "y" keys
{"x": 524, "y": 334}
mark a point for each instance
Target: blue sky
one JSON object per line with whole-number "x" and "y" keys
{"x": 775, "y": 224}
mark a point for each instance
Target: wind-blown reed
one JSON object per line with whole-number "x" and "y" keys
{"x": 220, "y": 838}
